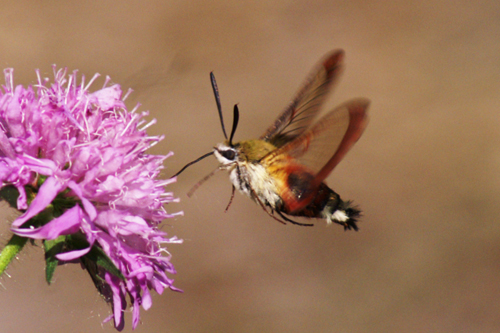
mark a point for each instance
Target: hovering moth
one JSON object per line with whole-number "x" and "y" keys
{"x": 284, "y": 170}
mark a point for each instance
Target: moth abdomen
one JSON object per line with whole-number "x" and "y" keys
{"x": 328, "y": 205}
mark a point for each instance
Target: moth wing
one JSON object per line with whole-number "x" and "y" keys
{"x": 318, "y": 150}
{"x": 300, "y": 113}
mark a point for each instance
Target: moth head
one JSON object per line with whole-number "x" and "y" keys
{"x": 226, "y": 154}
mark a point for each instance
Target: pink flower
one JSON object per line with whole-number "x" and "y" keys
{"x": 86, "y": 186}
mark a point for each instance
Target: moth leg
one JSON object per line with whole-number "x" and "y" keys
{"x": 264, "y": 208}
{"x": 291, "y": 221}
{"x": 230, "y": 200}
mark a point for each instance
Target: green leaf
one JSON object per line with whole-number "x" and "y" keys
{"x": 42, "y": 218}
{"x": 41, "y": 179}
{"x": 10, "y": 194}
{"x": 95, "y": 260}
{"x": 10, "y": 251}
{"x": 52, "y": 247}
{"x": 97, "y": 255}
{"x": 101, "y": 285}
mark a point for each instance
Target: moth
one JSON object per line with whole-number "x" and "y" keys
{"x": 284, "y": 170}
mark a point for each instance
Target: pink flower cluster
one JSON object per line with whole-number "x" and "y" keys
{"x": 88, "y": 148}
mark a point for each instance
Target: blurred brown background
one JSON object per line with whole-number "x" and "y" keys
{"x": 426, "y": 171}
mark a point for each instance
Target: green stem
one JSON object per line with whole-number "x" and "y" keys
{"x": 9, "y": 252}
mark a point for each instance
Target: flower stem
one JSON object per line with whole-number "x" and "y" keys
{"x": 9, "y": 252}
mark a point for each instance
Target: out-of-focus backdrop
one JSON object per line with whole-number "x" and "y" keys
{"x": 426, "y": 172}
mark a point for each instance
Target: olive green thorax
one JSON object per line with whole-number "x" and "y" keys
{"x": 254, "y": 150}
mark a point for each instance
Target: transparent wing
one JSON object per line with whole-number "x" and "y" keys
{"x": 324, "y": 145}
{"x": 298, "y": 116}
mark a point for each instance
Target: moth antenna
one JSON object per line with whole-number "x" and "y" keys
{"x": 191, "y": 163}
{"x": 236, "y": 118}
{"x": 217, "y": 100}
{"x": 198, "y": 184}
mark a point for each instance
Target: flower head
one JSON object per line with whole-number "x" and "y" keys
{"x": 85, "y": 185}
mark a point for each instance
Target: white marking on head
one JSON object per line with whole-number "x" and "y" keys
{"x": 221, "y": 150}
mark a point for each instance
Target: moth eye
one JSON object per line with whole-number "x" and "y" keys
{"x": 228, "y": 154}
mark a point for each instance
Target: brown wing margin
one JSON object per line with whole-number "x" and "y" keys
{"x": 298, "y": 116}
{"x": 323, "y": 146}
{"x": 336, "y": 132}
{"x": 358, "y": 120}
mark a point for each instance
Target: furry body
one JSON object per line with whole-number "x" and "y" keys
{"x": 282, "y": 183}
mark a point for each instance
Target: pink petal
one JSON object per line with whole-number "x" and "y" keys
{"x": 14, "y": 115}
{"x": 108, "y": 98}
{"x": 114, "y": 283}
{"x": 135, "y": 314}
{"x": 87, "y": 205}
{"x": 71, "y": 255}
{"x": 5, "y": 146}
{"x": 146, "y": 299}
{"x": 46, "y": 194}
{"x": 66, "y": 224}
{"x": 40, "y": 165}
{"x": 22, "y": 202}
